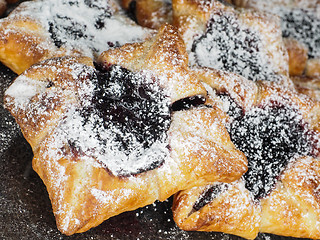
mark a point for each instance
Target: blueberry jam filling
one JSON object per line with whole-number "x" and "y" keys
{"x": 129, "y": 118}
{"x": 209, "y": 195}
{"x": 270, "y": 137}
{"x": 67, "y": 26}
{"x": 188, "y": 103}
{"x": 304, "y": 26}
{"x": 228, "y": 46}
{"x": 70, "y": 29}
{"x": 131, "y": 12}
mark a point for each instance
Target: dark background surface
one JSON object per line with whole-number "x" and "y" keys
{"x": 25, "y": 208}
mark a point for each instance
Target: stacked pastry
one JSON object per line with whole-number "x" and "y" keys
{"x": 300, "y": 24}
{"x": 119, "y": 115}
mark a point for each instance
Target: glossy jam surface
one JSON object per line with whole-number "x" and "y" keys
{"x": 188, "y": 102}
{"x": 230, "y": 46}
{"x": 209, "y": 195}
{"x": 270, "y": 137}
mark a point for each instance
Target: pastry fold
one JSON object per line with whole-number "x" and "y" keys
{"x": 149, "y": 13}
{"x": 281, "y": 200}
{"x": 39, "y": 30}
{"x": 243, "y": 41}
{"x": 87, "y": 164}
{"x": 232, "y": 210}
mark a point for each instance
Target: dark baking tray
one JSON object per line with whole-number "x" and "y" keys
{"x": 25, "y": 208}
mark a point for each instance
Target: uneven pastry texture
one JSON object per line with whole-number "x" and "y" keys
{"x": 38, "y": 30}
{"x": 300, "y": 24}
{"x": 99, "y": 154}
{"x": 278, "y": 130}
{"x": 149, "y": 13}
{"x": 243, "y": 41}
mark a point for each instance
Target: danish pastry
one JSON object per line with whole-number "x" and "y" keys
{"x": 300, "y": 20}
{"x": 308, "y": 85}
{"x": 278, "y": 130}
{"x": 149, "y": 13}
{"x": 242, "y": 41}
{"x": 38, "y": 30}
{"x": 121, "y": 135}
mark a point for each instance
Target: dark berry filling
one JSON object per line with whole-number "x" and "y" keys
{"x": 70, "y": 29}
{"x": 270, "y": 137}
{"x": 209, "y": 195}
{"x": 229, "y": 46}
{"x": 131, "y": 12}
{"x": 304, "y": 26}
{"x": 134, "y": 106}
{"x": 187, "y": 103}
{"x": 66, "y": 26}
{"x": 134, "y": 110}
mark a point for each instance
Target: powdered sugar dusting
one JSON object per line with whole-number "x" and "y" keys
{"x": 233, "y": 45}
{"x": 87, "y": 27}
{"x": 108, "y": 197}
{"x": 108, "y": 135}
{"x": 24, "y": 89}
{"x": 299, "y": 20}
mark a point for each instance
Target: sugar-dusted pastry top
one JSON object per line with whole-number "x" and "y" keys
{"x": 121, "y": 134}
{"x": 271, "y": 136}
{"x": 242, "y": 41}
{"x": 43, "y": 29}
{"x": 149, "y": 13}
{"x": 218, "y": 207}
{"x": 278, "y": 131}
{"x": 299, "y": 20}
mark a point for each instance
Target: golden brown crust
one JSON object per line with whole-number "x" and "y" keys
{"x": 298, "y": 56}
{"x": 164, "y": 54}
{"x": 192, "y": 18}
{"x": 248, "y": 94}
{"x": 56, "y": 91}
{"x": 20, "y": 49}
{"x": 241, "y": 90}
{"x": 295, "y": 202}
{"x": 82, "y": 191}
{"x": 149, "y": 13}
{"x": 27, "y": 36}
{"x": 307, "y": 4}
{"x": 84, "y": 195}
{"x": 313, "y": 67}
{"x": 308, "y": 85}
{"x": 232, "y": 211}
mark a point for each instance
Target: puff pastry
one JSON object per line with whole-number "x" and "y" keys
{"x": 278, "y": 130}
{"x": 243, "y": 41}
{"x": 38, "y": 30}
{"x": 120, "y": 136}
{"x": 300, "y": 20}
{"x": 149, "y": 13}
{"x": 308, "y": 85}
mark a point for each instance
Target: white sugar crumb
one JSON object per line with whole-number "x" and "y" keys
{"x": 88, "y": 27}
{"x": 107, "y": 197}
{"x": 252, "y": 49}
{"x": 24, "y": 89}
{"x": 299, "y": 20}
